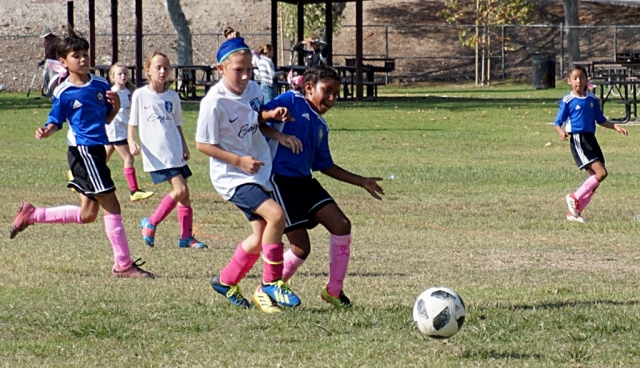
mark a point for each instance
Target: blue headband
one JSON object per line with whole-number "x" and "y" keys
{"x": 231, "y": 46}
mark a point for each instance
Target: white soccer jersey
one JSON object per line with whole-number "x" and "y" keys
{"x": 231, "y": 122}
{"x": 158, "y": 116}
{"x": 117, "y": 130}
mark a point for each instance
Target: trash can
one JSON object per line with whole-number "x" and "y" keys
{"x": 544, "y": 71}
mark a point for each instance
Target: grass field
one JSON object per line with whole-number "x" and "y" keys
{"x": 475, "y": 180}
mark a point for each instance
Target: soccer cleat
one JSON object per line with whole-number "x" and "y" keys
{"x": 191, "y": 242}
{"x": 340, "y": 301}
{"x": 21, "y": 221}
{"x": 231, "y": 292}
{"x": 572, "y": 218}
{"x": 133, "y": 271}
{"x": 572, "y": 204}
{"x": 264, "y": 301}
{"x": 140, "y": 195}
{"x": 70, "y": 178}
{"x": 281, "y": 293}
{"x": 148, "y": 231}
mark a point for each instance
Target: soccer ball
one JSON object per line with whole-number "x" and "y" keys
{"x": 439, "y": 312}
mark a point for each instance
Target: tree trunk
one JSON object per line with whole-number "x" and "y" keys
{"x": 184, "y": 47}
{"x": 572, "y": 20}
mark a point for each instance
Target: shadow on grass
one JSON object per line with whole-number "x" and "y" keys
{"x": 493, "y": 354}
{"x": 452, "y": 103}
{"x": 573, "y": 304}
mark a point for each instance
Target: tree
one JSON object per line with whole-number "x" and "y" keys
{"x": 314, "y": 20}
{"x": 184, "y": 46}
{"x": 485, "y": 16}
{"x": 572, "y": 22}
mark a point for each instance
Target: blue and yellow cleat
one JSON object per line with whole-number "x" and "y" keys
{"x": 281, "y": 293}
{"x": 231, "y": 292}
{"x": 264, "y": 302}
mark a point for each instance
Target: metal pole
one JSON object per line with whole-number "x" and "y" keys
{"x": 502, "y": 53}
{"x": 92, "y": 32}
{"x": 114, "y": 31}
{"x": 70, "y": 13}
{"x": 386, "y": 50}
{"x": 138, "y": 11}
{"x": 561, "y": 50}
{"x": 615, "y": 44}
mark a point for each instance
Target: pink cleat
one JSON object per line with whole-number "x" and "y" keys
{"x": 133, "y": 271}
{"x": 21, "y": 221}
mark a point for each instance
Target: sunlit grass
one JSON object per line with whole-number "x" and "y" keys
{"x": 474, "y": 187}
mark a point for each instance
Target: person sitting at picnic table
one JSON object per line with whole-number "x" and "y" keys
{"x": 318, "y": 53}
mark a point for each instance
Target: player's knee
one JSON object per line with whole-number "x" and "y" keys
{"x": 181, "y": 193}
{"x": 344, "y": 227}
{"x": 88, "y": 217}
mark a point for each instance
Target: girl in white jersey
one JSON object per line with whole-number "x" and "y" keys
{"x": 157, "y": 112}
{"x": 117, "y": 130}
{"x": 240, "y": 165}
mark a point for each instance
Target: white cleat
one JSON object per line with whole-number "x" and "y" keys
{"x": 572, "y": 218}
{"x": 572, "y": 205}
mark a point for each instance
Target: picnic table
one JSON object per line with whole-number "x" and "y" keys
{"x": 189, "y": 77}
{"x": 615, "y": 81}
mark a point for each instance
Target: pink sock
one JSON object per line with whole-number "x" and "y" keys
{"x": 589, "y": 185}
{"x": 62, "y": 214}
{"x": 115, "y": 232}
{"x": 582, "y": 204}
{"x": 339, "y": 253}
{"x": 130, "y": 175}
{"x": 164, "y": 209}
{"x": 185, "y": 218}
{"x": 291, "y": 264}
{"x": 240, "y": 264}
{"x": 273, "y": 262}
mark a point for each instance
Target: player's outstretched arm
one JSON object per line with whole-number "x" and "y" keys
{"x": 616, "y": 127}
{"x": 369, "y": 184}
{"x": 46, "y": 132}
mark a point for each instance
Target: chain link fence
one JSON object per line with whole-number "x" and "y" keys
{"x": 422, "y": 52}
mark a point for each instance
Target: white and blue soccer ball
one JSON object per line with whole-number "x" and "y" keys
{"x": 439, "y": 312}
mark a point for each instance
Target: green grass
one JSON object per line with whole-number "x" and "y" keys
{"x": 474, "y": 186}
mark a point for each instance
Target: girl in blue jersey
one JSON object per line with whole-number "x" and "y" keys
{"x": 305, "y": 202}
{"x": 577, "y": 117}
{"x": 87, "y": 103}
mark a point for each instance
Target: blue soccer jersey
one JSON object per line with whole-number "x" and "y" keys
{"x": 85, "y": 109}
{"x": 580, "y": 114}
{"x": 310, "y": 128}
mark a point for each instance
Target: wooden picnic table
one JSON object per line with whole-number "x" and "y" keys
{"x": 189, "y": 77}
{"x": 623, "y": 91}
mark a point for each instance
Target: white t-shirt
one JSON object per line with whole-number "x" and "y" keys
{"x": 117, "y": 130}
{"x": 231, "y": 122}
{"x": 158, "y": 116}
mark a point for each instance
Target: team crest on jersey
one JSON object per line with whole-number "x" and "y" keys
{"x": 100, "y": 97}
{"x": 255, "y": 104}
{"x": 168, "y": 105}
{"x": 320, "y": 134}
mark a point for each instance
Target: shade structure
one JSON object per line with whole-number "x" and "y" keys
{"x": 274, "y": 32}
{"x": 328, "y": 32}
